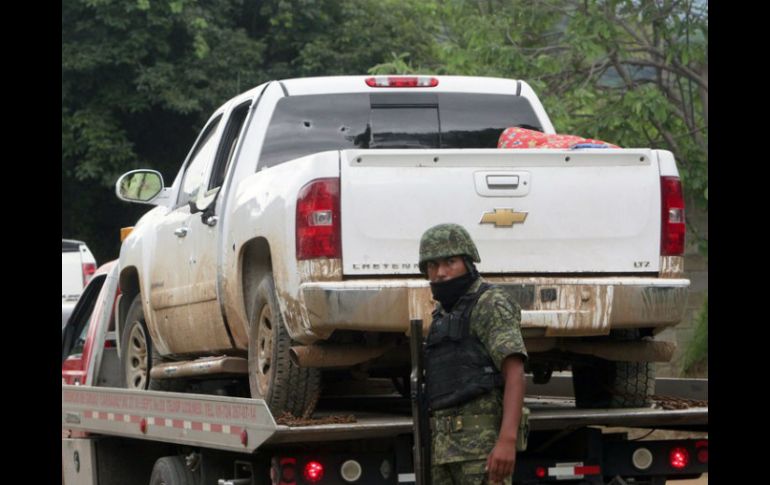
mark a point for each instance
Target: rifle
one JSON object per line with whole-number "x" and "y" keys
{"x": 422, "y": 437}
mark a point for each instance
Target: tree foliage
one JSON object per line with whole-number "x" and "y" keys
{"x": 633, "y": 72}
{"x": 139, "y": 77}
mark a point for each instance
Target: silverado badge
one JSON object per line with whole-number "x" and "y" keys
{"x": 503, "y": 217}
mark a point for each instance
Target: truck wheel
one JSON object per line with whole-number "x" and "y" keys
{"x": 138, "y": 353}
{"x": 171, "y": 470}
{"x": 607, "y": 384}
{"x": 284, "y": 386}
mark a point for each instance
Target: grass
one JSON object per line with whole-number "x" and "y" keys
{"x": 696, "y": 355}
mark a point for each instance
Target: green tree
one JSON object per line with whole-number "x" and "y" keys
{"x": 140, "y": 77}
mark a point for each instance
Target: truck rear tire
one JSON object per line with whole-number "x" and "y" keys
{"x": 273, "y": 376}
{"x": 607, "y": 384}
{"x": 138, "y": 353}
{"x": 171, "y": 470}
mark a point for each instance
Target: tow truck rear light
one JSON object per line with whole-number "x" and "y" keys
{"x": 351, "y": 471}
{"x": 402, "y": 82}
{"x": 318, "y": 220}
{"x": 88, "y": 271}
{"x": 679, "y": 458}
{"x": 314, "y": 472}
{"x": 283, "y": 471}
{"x": 642, "y": 458}
{"x": 672, "y": 221}
{"x": 703, "y": 451}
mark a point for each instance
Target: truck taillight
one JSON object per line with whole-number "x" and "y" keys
{"x": 703, "y": 451}
{"x": 318, "y": 220}
{"x": 672, "y": 222}
{"x": 679, "y": 458}
{"x": 314, "y": 472}
{"x": 88, "y": 271}
{"x": 402, "y": 82}
{"x": 283, "y": 471}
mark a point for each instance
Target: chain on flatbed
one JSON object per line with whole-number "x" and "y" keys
{"x": 669, "y": 402}
{"x": 289, "y": 419}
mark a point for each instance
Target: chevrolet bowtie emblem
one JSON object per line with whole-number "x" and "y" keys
{"x": 503, "y": 217}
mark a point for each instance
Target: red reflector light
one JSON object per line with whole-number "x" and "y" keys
{"x": 314, "y": 472}
{"x": 703, "y": 456}
{"x": 402, "y": 82}
{"x": 672, "y": 221}
{"x": 88, "y": 271}
{"x": 679, "y": 458}
{"x": 703, "y": 451}
{"x": 283, "y": 472}
{"x": 588, "y": 470}
{"x": 318, "y": 220}
{"x": 540, "y": 472}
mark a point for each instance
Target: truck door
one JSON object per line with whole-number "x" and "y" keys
{"x": 74, "y": 349}
{"x": 205, "y": 229}
{"x": 170, "y": 268}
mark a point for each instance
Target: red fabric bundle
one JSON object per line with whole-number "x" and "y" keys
{"x": 516, "y": 137}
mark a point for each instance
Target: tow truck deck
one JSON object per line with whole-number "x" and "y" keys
{"x": 245, "y": 426}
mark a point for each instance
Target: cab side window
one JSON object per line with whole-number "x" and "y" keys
{"x": 195, "y": 173}
{"x": 226, "y": 150}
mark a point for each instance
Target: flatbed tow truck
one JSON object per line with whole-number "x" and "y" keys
{"x": 118, "y": 436}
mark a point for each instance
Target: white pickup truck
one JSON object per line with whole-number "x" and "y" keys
{"x": 286, "y": 248}
{"x": 77, "y": 267}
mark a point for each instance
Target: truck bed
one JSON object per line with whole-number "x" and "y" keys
{"x": 239, "y": 424}
{"x": 547, "y": 413}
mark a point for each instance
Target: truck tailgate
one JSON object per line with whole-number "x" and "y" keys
{"x": 529, "y": 211}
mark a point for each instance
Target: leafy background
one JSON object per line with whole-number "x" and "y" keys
{"x": 140, "y": 77}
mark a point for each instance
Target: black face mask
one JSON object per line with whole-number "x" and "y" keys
{"x": 448, "y": 292}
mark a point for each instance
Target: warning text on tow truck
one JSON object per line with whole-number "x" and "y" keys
{"x": 186, "y": 407}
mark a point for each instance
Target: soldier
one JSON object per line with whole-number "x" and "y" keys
{"x": 474, "y": 364}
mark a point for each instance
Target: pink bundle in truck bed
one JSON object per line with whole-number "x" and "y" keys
{"x": 516, "y": 137}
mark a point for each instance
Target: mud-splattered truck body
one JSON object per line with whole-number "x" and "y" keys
{"x": 289, "y": 238}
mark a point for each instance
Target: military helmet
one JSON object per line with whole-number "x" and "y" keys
{"x": 444, "y": 241}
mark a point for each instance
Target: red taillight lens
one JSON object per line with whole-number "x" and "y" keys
{"x": 679, "y": 458}
{"x": 313, "y": 472}
{"x": 283, "y": 471}
{"x": 88, "y": 271}
{"x": 318, "y": 220}
{"x": 703, "y": 451}
{"x": 540, "y": 472}
{"x": 673, "y": 228}
{"x": 402, "y": 82}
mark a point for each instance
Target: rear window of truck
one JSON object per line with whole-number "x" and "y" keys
{"x": 302, "y": 125}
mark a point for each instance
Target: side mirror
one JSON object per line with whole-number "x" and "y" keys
{"x": 141, "y": 186}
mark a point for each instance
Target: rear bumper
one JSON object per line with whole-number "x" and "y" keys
{"x": 558, "y": 306}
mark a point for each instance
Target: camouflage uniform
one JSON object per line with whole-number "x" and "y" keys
{"x": 495, "y": 321}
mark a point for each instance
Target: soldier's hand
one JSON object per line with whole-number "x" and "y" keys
{"x": 501, "y": 461}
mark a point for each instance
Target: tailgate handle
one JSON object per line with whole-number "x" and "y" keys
{"x": 503, "y": 181}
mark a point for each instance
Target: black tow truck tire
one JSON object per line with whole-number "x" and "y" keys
{"x": 171, "y": 470}
{"x": 273, "y": 376}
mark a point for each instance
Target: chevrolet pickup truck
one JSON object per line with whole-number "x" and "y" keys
{"x": 286, "y": 248}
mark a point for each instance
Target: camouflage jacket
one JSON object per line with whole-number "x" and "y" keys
{"x": 496, "y": 321}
